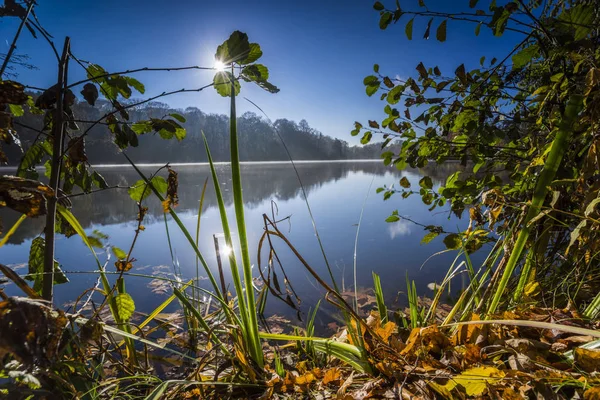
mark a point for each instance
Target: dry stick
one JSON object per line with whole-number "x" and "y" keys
{"x": 57, "y": 147}
{"x": 13, "y": 45}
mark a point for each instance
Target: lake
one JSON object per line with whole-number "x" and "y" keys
{"x": 336, "y": 193}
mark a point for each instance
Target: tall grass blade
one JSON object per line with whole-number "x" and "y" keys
{"x": 238, "y": 201}
{"x": 557, "y": 150}
{"x": 235, "y": 274}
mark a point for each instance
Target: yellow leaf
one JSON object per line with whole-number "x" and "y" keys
{"x": 332, "y": 375}
{"x": 475, "y": 380}
{"x": 304, "y": 379}
{"x": 532, "y": 289}
{"x": 441, "y": 390}
{"x": 592, "y": 393}
{"x": 587, "y": 360}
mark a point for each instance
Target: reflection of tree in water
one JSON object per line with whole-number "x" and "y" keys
{"x": 261, "y": 182}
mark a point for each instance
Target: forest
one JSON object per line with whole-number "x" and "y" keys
{"x": 503, "y": 153}
{"x": 259, "y": 139}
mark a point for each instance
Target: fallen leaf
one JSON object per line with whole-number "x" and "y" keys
{"x": 587, "y": 360}
{"x": 475, "y": 380}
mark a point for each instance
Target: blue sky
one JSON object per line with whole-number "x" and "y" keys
{"x": 318, "y": 52}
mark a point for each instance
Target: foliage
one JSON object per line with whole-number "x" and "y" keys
{"x": 510, "y": 122}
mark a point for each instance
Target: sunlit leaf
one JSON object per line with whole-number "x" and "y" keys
{"x": 139, "y": 191}
{"x": 125, "y": 306}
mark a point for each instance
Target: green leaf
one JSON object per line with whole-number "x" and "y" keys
{"x": 125, "y": 306}
{"x": 32, "y": 156}
{"x": 385, "y": 20}
{"x": 426, "y": 182}
{"x": 94, "y": 70}
{"x": 222, "y": 82}
{"x": 269, "y": 87}
{"x": 392, "y": 218}
{"x": 525, "y": 56}
{"x": 394, "y": 95}
{"x": 429, "y": 237}
{"x": 452, "y": 241}
{"x": 16, "y": 110}
{"x": 99, "y": 181}
{"x": 234, "y": 49}
{"x": 36, "y": 266}
{"x": 366, "y": 137}
{"x": 478, "y": 29}
{"x": 473, "y": 3}
{"x": 254, "y": 54}
{"x": 441, "y": 31}
{"x": 255, "y": 73}
{"x": 134, "y": 83}
{"x": 142, "y": 127}
{"x": 378, "y": 6}
{"x": 371, "y": 90}
{"x": 409, "y": 29}
{"x": 178, "y": 117}
{"x": 580, "y": 18}
{"x": 139, "y": 191}
{"x": 404, "y": 182}
{"x": 120, "y": 254}
{"x": 376, "y": 68}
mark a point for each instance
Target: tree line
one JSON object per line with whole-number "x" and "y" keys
{"x": 259, "y": 139}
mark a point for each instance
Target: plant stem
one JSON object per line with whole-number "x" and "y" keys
{"x": 13, "y": 45}
{"x": 57, "y": 147}
{"x": 255, "y": 347}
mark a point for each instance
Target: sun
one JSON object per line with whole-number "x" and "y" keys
{"x": 226, "y": 250}
{"x": 219, "y": 66}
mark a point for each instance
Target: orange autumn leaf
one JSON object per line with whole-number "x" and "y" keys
{"x": 332, "y": 375}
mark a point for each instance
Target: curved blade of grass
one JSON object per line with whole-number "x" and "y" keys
{"x": 344, "y": 351}
{"x": 557, "y": 150}
{"x": 181, "y": 226}
{"x": 130, "y": 336}
{"x": 12, "y": 230}
{"x": 532, "y": 324}
{"x": 238, "y": 201}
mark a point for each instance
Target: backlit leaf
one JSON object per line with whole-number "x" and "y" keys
{"x": 139, "y": 191}
{"x": 125, "y": 306}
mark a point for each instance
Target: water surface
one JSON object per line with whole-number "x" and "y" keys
{"x": 336, "y": 192}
